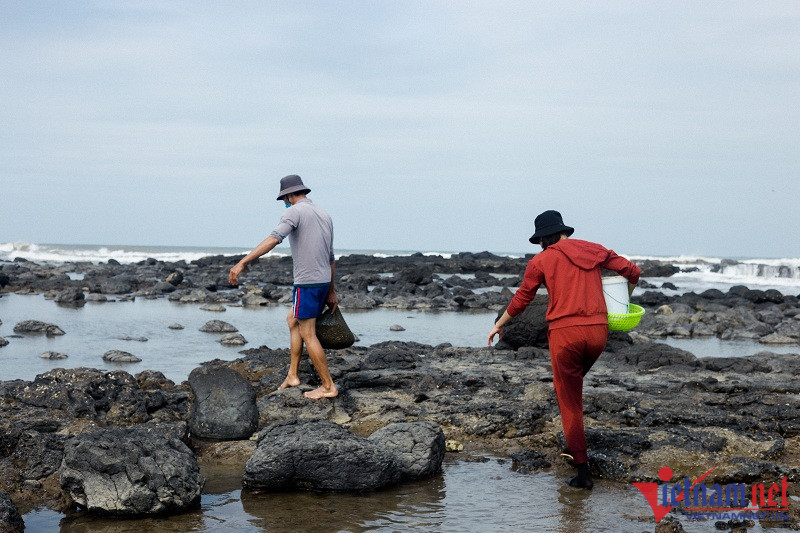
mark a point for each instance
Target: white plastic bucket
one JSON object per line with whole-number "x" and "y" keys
{"x": 615, "y": 291}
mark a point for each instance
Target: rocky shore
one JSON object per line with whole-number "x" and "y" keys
{"x": 647, "y": 404}
{"x": 463, "y": 281}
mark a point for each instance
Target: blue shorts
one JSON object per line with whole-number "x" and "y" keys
{"x": 308, "y": 301}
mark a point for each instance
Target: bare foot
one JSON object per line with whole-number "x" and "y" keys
{"x": 289, "y": 382}
{"x": 321, "y": 392}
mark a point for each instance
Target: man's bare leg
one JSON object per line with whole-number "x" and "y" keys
{"x": 317, "y": 355}
{"x": 295, "y": 352}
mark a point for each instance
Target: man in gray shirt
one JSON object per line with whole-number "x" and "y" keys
{"x": 310, "y": 232}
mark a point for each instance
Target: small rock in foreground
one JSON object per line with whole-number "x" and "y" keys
{"x": 130, "y": 471}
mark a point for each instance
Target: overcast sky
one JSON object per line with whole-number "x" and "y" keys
{"x": 657, "y": 128}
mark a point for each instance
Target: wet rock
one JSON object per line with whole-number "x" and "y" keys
{"x": 163, "y": 287}
{"x": 215, "y": 308}
{"x": 10, "y": 519}
{"x": 529, "y": 461}
{"x": 53, "y": 355}
{"x": 224, "y": 406}
{"x": 3, "y": 342}
{"x": 740, "y": 365}
{"x": 130, "y": 472}
{"x": 417, "y": 447}
{"x": 669, "y": 525}
{"x": 529, "y": 328}
{"x": 70, "y": 296}
{"x": 175, "y": 326}
{"x": 174, "y": 279}
{"x": 357, "y": 301}
{"x": 317, "y": 455}
{"x": 653, "y": 355}
{"x": 129, "y": 338}
{"x": 233, "y": 339}
{"x": 119, "y": 356}
{"x": 193, "y": 296}
{"x": 107, "y": 397}
{"x": 254, "y": 300}
{"x": 117, "y": 285}
{"x": 35, "y": 326}
{"x": 416, "y": 275}
{"x": 774, "y": 338}
{"x": 394, "y": 355}
{"x": 218, "y": 326}
{"x": 396, "y": 327}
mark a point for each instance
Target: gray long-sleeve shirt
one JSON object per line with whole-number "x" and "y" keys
{"x": 310, "y": 232}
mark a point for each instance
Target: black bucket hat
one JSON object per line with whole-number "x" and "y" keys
{"x": 291, "y": 184}
{"x": 548, "y": 223}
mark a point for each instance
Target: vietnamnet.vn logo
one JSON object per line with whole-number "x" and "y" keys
{"x": 737, "y": 501}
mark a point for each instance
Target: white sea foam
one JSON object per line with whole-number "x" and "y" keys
{"x": 61, "y": 253}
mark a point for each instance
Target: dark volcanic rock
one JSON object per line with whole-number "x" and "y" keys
{"x": 218, "y": 326}
{"x": 10, "y": 519}
{"x": 225, "y": 404}
{"x": 529, "y": 328}
{"x": 133, "y": 472}
{"x": 108, "y": 397}
{"x": 119, "y": 356}
{"x": 174, "y": 279}
{"x": 417, "y": 447}
{"x": 529, "y": 461}
{"x": 71, "y": 296}
{"x": 653, "y": 355}
{"x": 35, "y": 326}
{"x": 318, "y": 455}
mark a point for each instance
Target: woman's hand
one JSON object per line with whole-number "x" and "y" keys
{"x": 496, "y": 330}
{"x": 498, "y": 327}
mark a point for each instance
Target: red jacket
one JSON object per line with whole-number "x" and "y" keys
{"x": 571, "y": 270}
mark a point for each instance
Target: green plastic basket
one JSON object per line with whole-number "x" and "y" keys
{"x": 625, "y": 321}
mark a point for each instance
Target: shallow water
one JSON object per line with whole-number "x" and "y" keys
{"x": 466, "y": 496}
{"x": 96, "y": 328}
{"x": 715, "y": 347}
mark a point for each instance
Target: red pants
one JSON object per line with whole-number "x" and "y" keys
{"x": 573, "y": 351}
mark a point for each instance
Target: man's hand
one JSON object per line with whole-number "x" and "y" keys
{"x": 233, "y": 275}
{"x": 332, "y": 300}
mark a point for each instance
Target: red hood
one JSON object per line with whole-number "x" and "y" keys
{"x": 583, "y": 254}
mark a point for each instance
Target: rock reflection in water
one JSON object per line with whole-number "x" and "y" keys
{"x": 469, "y": 495}
{"x": 414, "y": 503}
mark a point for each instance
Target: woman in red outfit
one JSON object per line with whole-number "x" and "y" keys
{"x": 571, "y": 270}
